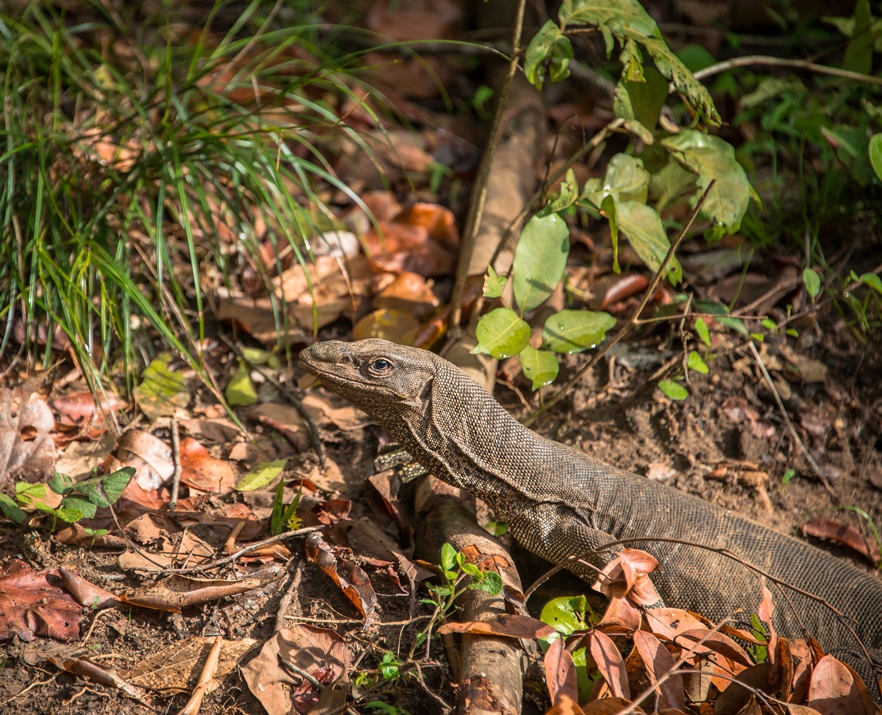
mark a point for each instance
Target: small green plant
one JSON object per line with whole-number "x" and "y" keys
{"x": 81, "y": 500}
{"x": 284, "y": 517}
{"x": 675, "y": 164}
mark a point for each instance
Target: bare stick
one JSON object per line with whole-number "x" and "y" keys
{"x": 176, "y": 459}
{"x": 750, "y": 60}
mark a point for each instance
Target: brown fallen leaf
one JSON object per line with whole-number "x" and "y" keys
{"x": 32, "y": 604}
{"x": 85, "y": 592}
{"x": 349, "y": 577}
{"x": 833, "y": 690}
{"x": 85, "y": 668}
{"x": 609, "y": 663}
{"x": 844, "y": 534}
{"x": 658, "y": 661}
{"x": 150, "y": 457}
{"x": 78, "y": 409}
{"x": 26, "y": 448}
{"x": 508, "y": 626}
{"x": 560, "y": 673}
{"x": 201, "y": 471}
{"x": 317, "y": 651}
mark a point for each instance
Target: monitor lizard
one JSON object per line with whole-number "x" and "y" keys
{"x": 558, "y": 502}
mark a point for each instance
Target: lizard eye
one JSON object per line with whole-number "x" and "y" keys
{"x": 381, "y": 365}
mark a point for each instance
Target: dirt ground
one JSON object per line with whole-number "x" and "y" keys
{"x": 616, "y": 415}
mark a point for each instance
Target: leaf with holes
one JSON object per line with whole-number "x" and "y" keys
{"x": 714, "y": 160}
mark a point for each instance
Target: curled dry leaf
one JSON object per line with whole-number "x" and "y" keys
{"x": 658, "y": 661}
{"x": 26, "y": 447}
{"x": 150, "y": 457}
{"x": 351, "y": 579}
{"x": 503, "y": 625}
{"x": 201, "y": 471}
{"x": 32, "y": 603}
{"x": 609, "y": 663}
{"x": 624, "y": 287}
{"x": 627, "y": 575}
{"x": 409, "y": 293}
{"x": 85, "y": 592}
{"x": 833, "y": 530}
{"x": 78, "y": 409}
{"x": 318, "y": 651}
{"x": 560, "y": 673}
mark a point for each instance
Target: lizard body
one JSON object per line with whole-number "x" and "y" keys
{"x": 558, "y": 502}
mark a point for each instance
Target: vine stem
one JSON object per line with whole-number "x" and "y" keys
{"x": 750, "y": 60}
{"x": 635, "y": 316}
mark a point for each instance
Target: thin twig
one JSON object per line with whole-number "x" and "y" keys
{"x": 176, "y": 460}
{"x": 479, "y": 193}
{"x": 288, "y": 598}
{"x": 750, "y": 60}
{"x": 248, "y": 549}
{"x": 793, "y": 432}
{"x": 632, "y": 321}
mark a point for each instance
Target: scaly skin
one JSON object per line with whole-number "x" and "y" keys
{"x": 558, "y": 502}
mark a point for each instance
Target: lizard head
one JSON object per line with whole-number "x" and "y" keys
{"x": 377, "y": 376}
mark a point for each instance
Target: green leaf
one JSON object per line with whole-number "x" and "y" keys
{"x": 625, "y": 180}
{"x": 695, "y": 362}
{"x": 473, "y": 571}
{"x": 627, "y": 20}
{"x": 70, "y": 515}
{"x": 11, "y": 510}
{"x": 31, "y": 494}
{"x": 569, "y": 192}
{"x": 644, "y": 229}
{"x": 240, "y": 390}
{"x": 875, "y": 152}
{"x": 448, "y": 557}
{"x": 494, "y": 284}
{"x": 609, "y": 208}
{"x": 872, "y": 280}
{"x": 104, "y": 491}
{"x": 567, "y": 614}
{"x": 388, "y": 667}
{"x": 641, "y": 101}
{"x": 812, "y": 282}
{"x": 540, "y": 366}
{"x": 788, "y": 475}
{"x": 76, "y": 503}
{"x": 712, "y": 158}
{"x": 769, "y": 324}
{"x": 261, "y": 475}
{"x": 161, "y": 392}
{"x": 572, "y": 331}
{"x": 720, "y": 313}
{"x": 491, "y": 583}
{"x": 702, "y": 331}
{"x": 501, "y": 333}
{"x": 670, "y": 182}
{"x": 60, "y": 483}
{"x": 497, "y": 528}
{"x": 549, "y": 49}
{"x": 673, "y": 389}
{"x": 540, "y": 260}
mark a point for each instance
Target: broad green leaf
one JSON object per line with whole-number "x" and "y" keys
{"x": 812, "y": 282}
{"x": 702, "y": 330}
{"x": 549, "y": 51}
{"x": 494, "y": 284}
{"x": 876, "y": 155}
{"x": 872, "y": 280}
{"x": 712, "y": 158}
{"x": 501, "y": 333}
{"x": 540, "y": 366}
{"x": 641, "y": 101}
{"x": 491, "y": 583}
{"x": 569, "y": 192}
{"x": 572, "y": 331}
{"x": 721, "y": 315}
{"x": 627, "y": 20}
{"x": 11, "y": 510}
{"x": 670, "y": 182}
{"x": 673, "y": 389}
{"x": 260, "y": 476}
{"x": 70, "y": 514}
{"x": 31, "y": 494}
{"x": 539, "y": 261}
{"x": 161, "y": 392}
{"x": 625, "y": 180}
{"x": 448, "y": 557}
{"x": 644, "y": 229}
{"x": 77, "y": 503}
{"x": 695, "y": 362}
{"x": 104, "y": 491}
{"x": 240, "y": 390}
{"x": 60, "y": 483}
{"x": 567, "y": 614}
